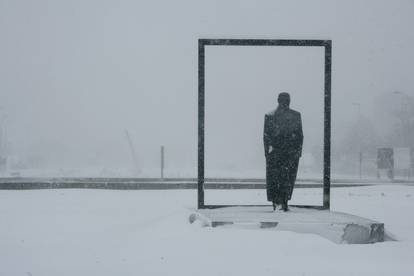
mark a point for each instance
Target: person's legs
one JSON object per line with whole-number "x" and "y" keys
{"x": 293, "y": 170}
{"x": 272, "y": 175}
{"x": 285, "y": 203}
{"x": 284, "y": 181}
{"x": 284, "y": 200}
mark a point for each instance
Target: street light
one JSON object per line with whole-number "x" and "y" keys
{"x": 405, "y": 120}
{"x": 359, "y": 138}
{"x": 407, "y": 124}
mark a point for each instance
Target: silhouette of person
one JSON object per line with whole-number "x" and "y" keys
{"x": 283, "y": 140}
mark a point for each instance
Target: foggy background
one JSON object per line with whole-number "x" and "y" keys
{"x": 241, "y": 85}
{"x": 74, "y": 75}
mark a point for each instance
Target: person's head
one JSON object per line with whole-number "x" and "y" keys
{"x": 284, "y": 99}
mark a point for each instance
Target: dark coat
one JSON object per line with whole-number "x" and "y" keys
{"x": 283, "y": 139}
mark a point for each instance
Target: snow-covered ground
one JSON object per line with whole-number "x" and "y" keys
{"x": 109, "y": 232}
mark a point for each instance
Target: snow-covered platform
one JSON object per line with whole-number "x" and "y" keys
{"x": 335, "y": 226}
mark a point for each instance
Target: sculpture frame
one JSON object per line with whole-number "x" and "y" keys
{"x": 327, "y": 44}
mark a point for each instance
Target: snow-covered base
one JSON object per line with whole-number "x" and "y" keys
{"x": 335, "y": 226}
{"x": 110, "y": 232}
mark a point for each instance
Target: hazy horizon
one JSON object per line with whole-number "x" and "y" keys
{"x": 76, "y": 74}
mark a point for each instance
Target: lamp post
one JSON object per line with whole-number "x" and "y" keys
{"x": 3, "y": 141}
{"x": 162, "y": 162}
{"x": 407, "y": 122}
{"x": 404, "y": 116}
{"x": 359, "y": 138}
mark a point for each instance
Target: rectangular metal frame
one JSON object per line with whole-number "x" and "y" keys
{"x": 327, "y": 44}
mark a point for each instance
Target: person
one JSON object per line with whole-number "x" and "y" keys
{"x": 283, "y": 140}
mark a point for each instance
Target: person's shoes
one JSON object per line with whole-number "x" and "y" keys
{"x": 274, "y": 206}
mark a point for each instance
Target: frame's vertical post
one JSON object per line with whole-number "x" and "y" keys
{"x": 327, "y": 127}
{"x": 201, "y": 105}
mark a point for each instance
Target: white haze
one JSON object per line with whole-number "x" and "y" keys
{"x": 75, "y": 74}
{"x": 242, "y": 84}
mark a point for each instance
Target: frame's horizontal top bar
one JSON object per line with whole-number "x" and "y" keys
{"x": 264, "y": 42}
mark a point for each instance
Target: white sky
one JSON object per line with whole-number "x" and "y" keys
{"x": 75, "y": 74}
